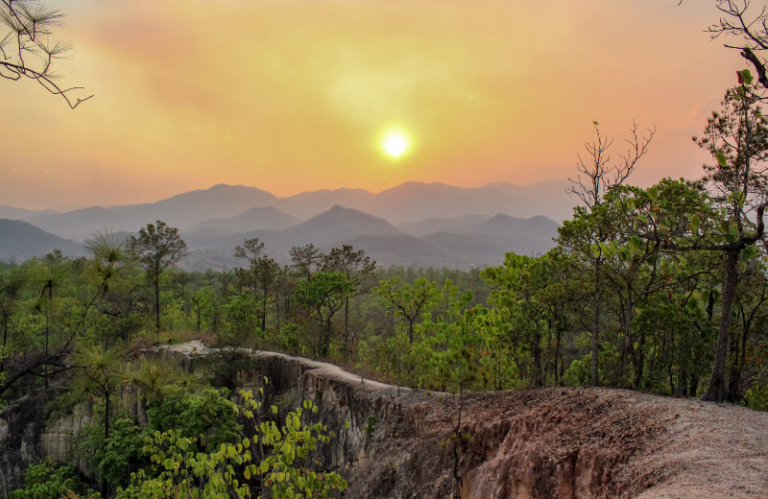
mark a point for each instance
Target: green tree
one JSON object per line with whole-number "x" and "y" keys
{"x": 408, "y": 302}
{"x": 358, "y": 268}
{"x": 157, "y": 248}
{"x": 306, "y": 260}
{"x": 598, "y": 175}
{"x": 322, "y": 295}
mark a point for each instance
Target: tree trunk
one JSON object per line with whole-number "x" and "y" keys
{"x": 264, "y": 314}
{"x": 46, "y": 345}
{"x": 717, "y": 386}
{"x": 106, "y": 435}
{"x": 596, "y": 326}
{"x": 5, "y": 341}
{"x": 627, "y": 336}
{"x": 346, "y": 328}
{"x": 738, "y": 364}
{"x": 157, "y": 302}
{"x": 557, "y": 354}
{"x": 536, "y": 354}
{"x": 277, "y": 309}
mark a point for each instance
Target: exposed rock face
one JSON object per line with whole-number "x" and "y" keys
{"x": 22, "y": 425}
{"x": 550, "y": 443}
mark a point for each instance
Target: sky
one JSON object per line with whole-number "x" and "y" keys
{"x": 296, "y": 95}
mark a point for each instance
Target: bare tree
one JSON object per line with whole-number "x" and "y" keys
{"x": 28, "y": 51}
{"x": 597, "y": 175}
{"x": 739, "y": 20}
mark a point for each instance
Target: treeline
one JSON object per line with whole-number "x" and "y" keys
{"x": 660, "y": 289}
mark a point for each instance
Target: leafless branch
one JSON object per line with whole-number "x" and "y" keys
{"x": 598, "y": 174}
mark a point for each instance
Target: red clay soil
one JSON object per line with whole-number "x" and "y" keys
{"x": 538, "y": 444}
{"x": 567, "y": 443}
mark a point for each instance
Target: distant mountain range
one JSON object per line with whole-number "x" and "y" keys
{"x": 435, "y": 222}
{"x": 21, "y": 240}
{"x": 481, "y": 244}
{"x": 267, "y": 217}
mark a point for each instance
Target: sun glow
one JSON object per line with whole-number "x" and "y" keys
{"x": 395, "y": 144}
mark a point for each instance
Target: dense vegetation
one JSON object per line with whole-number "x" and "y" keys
{"x": 662, "y": 289}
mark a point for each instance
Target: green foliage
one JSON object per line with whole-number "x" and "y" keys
{"x": 757, "y": 397}
{"x": 50, "y": 481}
{"x": 209, "y": 418}
{"x": 123, "y": 454}
{"x": 277, "y": 460}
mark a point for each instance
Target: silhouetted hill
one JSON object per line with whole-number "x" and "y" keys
{"x": 80, "y": 224}
{"x": 325, "y": 231}
{"x": 543, "y": 198}
{"x": 267, "y": 217}
{"x": 484, "y": 243}
{"x": 22, "y": 240}
{"x": 308, "y": 204}
{"x": 488, "y": 249}
{"x": 456, "y": 225}
{"x": 340, "y": 223}
{"x": 414, "y": 201}
{"x": 220, "y": 201}
{"x": 411, "y": 202}
{"x": 12, "y": 213}
{"x": 504, "y": 225}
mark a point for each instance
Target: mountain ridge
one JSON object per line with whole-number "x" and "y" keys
{"x": 410, "y": 202}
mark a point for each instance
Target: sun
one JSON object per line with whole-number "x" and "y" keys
{"x": 395, "y": 144}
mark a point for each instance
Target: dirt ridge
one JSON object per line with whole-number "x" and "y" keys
{"x": 547, "y": 443}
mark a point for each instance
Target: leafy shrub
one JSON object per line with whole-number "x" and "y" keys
{"x": 209, "y": 417}
{"x": 757, "y": 397}
{"x": 50, "y": 481}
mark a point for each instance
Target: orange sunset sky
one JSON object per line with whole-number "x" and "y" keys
{"x": 293, "y": 95}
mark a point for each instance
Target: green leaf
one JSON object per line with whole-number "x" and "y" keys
{"x": 722, "y": 160}
{"x": 595, "y": 250}
{"x": 653, "y": 193}
{"x": 746, "y": 77}
{"x": 695, "y": 222}
{"x": 750, "y": 253}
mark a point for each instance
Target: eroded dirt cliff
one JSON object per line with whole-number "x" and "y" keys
{"x": 550, "y": 443}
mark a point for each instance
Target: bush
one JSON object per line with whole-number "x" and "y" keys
{"x": 757, "y": 397}
{"x": 50, "y": 481}
{"x": 210, "y": 417}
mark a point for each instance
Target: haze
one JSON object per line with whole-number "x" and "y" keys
{"x": 291, "y": 96}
